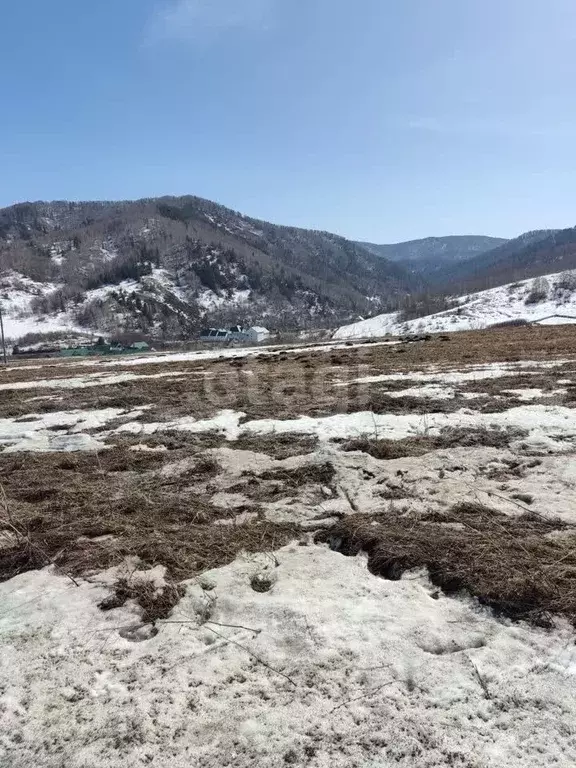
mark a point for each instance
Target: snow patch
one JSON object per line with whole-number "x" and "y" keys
{"x": 459, "y": 376}
{"x": 332, "y": 665}
{"x": 59, "y": 431}
{"x": 94, "y": 380}
{"x": 209, "y": 300}
{"x": 554, "y": 424}
{"x": 17, "y": 293}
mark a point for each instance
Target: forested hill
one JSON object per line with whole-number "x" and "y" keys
{"x": 172, "y": 264}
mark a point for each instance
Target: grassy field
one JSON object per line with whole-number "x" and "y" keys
{"x": 454, "y": 458}
{"x": 156, "y": 490}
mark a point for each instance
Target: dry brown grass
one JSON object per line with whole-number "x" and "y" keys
{"x": 524, "y": 380}
{"x": 14, "y": 404}
{"x": 175, "y": 442}
{"x": 509, "y": 564}
{"x": 272, "y": 485}
{"x": 276, "y": 446}
{"x": 450, "y": 437}
{"x": 85, "y": 513}
{"x": 295, "y": 383}
{"x": 307, "y": 474}
{"x": 376, "y": 399}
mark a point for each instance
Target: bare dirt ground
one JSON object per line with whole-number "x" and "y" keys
{"x": 455, "y": 457}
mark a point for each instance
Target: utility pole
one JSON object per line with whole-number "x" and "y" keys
{"x": 2, "y": 337}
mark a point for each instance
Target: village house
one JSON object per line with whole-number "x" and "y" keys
{"x": 254, "y": 334}
{"x": 257, "y": 334}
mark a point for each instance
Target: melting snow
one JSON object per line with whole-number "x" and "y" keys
{"x": 59, "y": 431}
{"x": 431, "y": 391}
{"x": 534, "y": 394}
{"x": 459, "y": 376}
{"x": 537, "y": 419}
{"x": 540, "y": 421}
{"x": 332, "y": 667}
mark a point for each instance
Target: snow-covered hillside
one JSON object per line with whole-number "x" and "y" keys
{"x": 551, "y": 299}
{"x": 17, "y": 293}
{"x": 106, "y": 309}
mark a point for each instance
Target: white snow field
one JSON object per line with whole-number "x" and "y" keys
{"x": 482, "y": 310}
{"x": 332, "y": 667}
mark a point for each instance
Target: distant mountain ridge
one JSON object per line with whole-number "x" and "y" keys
{"x": 168, "y": 266}
{"x": 428, "y": 256}
{"x": 460, "y": 264}
{"x": 533, "y": 254}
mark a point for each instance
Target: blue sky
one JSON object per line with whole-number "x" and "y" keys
{"x": 381, "y": 120}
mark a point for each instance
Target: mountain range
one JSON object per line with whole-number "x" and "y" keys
{"x": 166, "y": 267}
{"x": 427, "y": 257}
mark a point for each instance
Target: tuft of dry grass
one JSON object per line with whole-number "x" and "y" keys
{"x": 509, "y": 563}
{"x": 278, "y": 483}
{"x": 276, "y": 446}
{"x": 306, "y": 474}
{"x": 378, "y": 400}
{"x": 156, "y": 604}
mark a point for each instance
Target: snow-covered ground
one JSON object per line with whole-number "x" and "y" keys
{"x": 551, "y": 427}
{"x": 209, "y": 300}
{"x": 16, "y": 295}
{"x": 59, "y": 430}
{"x": 543, "y": 423}
{"x": 332, "y": 668}
{"x": 481, "y": 310}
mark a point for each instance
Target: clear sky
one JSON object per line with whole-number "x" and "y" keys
{"x": 382, "y": 120}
